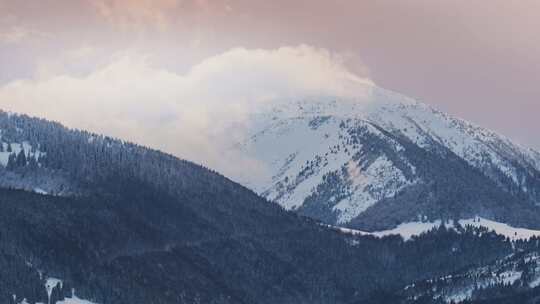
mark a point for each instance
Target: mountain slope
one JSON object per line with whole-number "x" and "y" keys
{"x": 382, "y": 159}
{"x": 514, "y": 279}
{"x": 120, "y": 223}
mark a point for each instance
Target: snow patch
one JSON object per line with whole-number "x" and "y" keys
{"x": 535, "y": 283}
{"x": 405, "y": 230}
{"x": 74, "y": 300}
{"x": 501, "y": 228}
{"x": 410, "y": 229}
{"x": 40, "y": 191}
{"x": 16, "y": 149}
{"x": 460, "y": 296}
{"x": 50, "y": 284}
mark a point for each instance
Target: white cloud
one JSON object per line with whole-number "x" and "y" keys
{"x": 196, "y": 115}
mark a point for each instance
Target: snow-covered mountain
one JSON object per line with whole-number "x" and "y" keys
{"x": 381, "y": 159}
{"x": 120, "y": 223}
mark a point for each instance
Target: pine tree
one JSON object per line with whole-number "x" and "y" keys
{"x": 21, "y": 159}
{"x": 11, "y": 161}
{"x": 32, "y": 162}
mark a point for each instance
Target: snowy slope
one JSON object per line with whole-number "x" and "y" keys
{"x": 410, "y": 229}
{"x": 333, "y": 158}
{"x": 316, "y": 147}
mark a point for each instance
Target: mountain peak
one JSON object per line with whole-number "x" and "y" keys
{"x": 366, "y": 100}
{"x": 339, "y": 159}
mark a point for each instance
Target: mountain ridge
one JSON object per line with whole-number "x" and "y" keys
{"x": 360, "y": 145}
{"x": 126, "y": 224}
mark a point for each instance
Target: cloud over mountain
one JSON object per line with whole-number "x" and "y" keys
{"x": 193, "y": 115}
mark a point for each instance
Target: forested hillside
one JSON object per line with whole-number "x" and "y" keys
{"x": 120, "y": 223}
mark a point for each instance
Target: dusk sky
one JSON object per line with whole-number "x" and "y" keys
{"x": 136, "y": 68}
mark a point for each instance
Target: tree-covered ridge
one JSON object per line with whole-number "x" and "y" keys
{"x": 134, "y": 225}
{"x": 91, "y": 159}
{"x": 143, "y": 246}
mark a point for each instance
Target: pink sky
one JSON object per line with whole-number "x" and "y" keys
{"x": 479, "y": 60}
